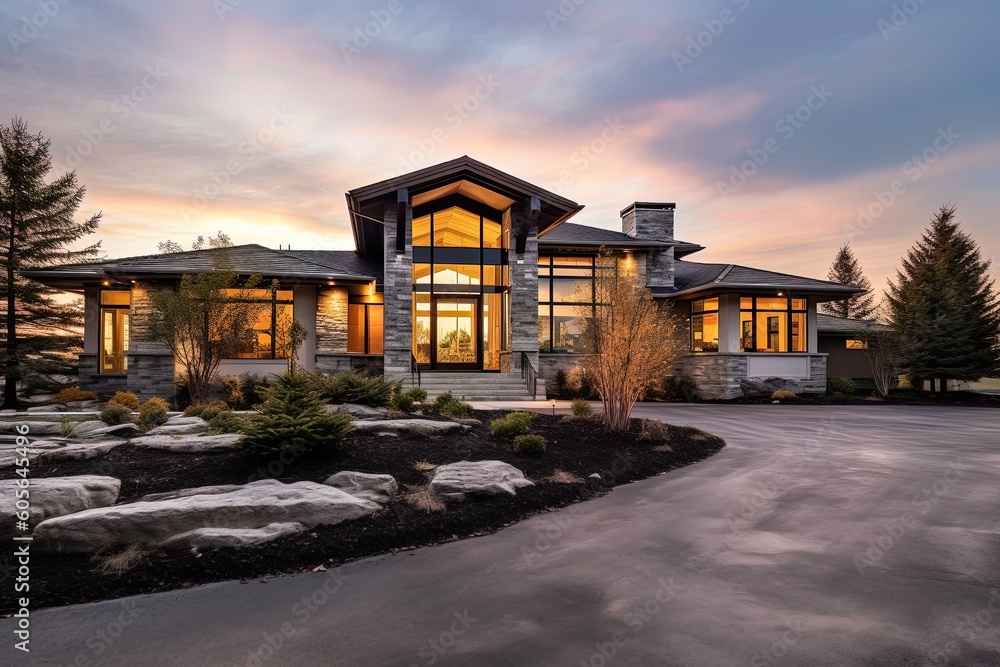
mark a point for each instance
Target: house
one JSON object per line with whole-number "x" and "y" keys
{"x": 473, "y": 277}
{"x": 845, "y": 342}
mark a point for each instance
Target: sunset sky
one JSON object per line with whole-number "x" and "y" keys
{"x": 603, "y": 102}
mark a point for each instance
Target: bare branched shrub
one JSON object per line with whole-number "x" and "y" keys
{"x": 423, "y": 466}
{"x": 884, "y": 349}
{"x": 632, "y": 339}
{"x": 653, "y": 430}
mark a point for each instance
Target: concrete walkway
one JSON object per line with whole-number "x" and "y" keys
{"x": 819, "y": 536}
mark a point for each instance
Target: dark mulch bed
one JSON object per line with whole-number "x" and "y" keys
{"x": 581, "y": 447}
{"x": 896, "y": 397}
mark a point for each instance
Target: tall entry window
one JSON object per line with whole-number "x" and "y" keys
{"x": 460, "y": 284}
{"x": 116, "y": 311}
{"x": 365, "y": 328}
{"x": 773, "y": 324}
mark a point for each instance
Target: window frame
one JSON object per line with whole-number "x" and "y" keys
{"x": 702, "y": 313}
{"x": 789, "y": 311}
{"x": 274, "y": 302}
{"x": 550, "y": 272}
{"x": 117, "y": 310}
{"x": 366, "y": 326}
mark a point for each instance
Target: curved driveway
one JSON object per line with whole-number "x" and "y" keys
{"x": 819, "y": 536}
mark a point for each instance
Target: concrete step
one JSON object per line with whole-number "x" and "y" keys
{"x": 475, "y": 386}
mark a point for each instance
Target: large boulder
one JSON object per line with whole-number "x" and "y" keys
{"x": 196, "y": 491}
{"x": 181, "y": 426}
{"x": 455, "y": 480}
{"x": 217, "y": 538}
{"x": 377, "y": 488}
{"x": 57, "y": 496}
{"x": 98, "y": 429}
{"x": 762, "y": 387}
{"x": 54, "y": 407}
{"x": 78, "y": 451}
{"x": 34, "y": 428}
{"x": 359, "y": 411}
{"x": 255, "y": 506}
{"x": 194, "y": 444}
{"x": 410, "y": 426}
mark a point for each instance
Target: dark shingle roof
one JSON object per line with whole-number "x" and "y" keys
{"x": 344, "y": 261}
{"x": 570, "y": 234}
{"x": 694, "y": 275}
{"x": 831, "y": 324}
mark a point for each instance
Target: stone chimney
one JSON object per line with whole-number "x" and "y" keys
{"x": 649, "y": 220}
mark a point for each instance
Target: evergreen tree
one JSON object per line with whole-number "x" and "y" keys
{"x": 847, "y": 271}
{"x": 36, "y": 230}
{"x": 944, "y": 306}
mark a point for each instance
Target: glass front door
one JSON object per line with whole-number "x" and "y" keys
{"x": 456, "y": 343}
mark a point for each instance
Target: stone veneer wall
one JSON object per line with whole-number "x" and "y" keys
{"x": 331, "y": 321}
{"x": 91, "y": 378}
{"x": 657, "y": 223}
{"x": 523, "y": 294}
{"x": 150, "y": 364}
{"x": 717, "y": 376}
{"x": 551, "y": 364}
{"x": 398, "y": 296}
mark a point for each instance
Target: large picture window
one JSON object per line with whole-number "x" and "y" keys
{"x": 115, "y": 315}
{"x": 773, "y": 324}
{"x": 705, "y": 325}
{"x": 365, "y": 328}
{"x": 274, "y": 321}
{"x": 565, "y": 290}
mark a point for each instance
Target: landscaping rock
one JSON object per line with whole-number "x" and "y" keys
{"x": 468, "y": 421}
{"x": 34, "y": 428}
{"x": 199, "y": 444}
{"x": 411, "y": 426}
{"x": 77, "y": 451}
{"x": 758, "y": 387}
{"x": 217, "y": 538}
{"x": 57, "y": 496}
{"x": 55, "y": 407}
{"x": 256, "y": 506}
{"x": 376, "y": 488}
{"x": 182, "y": 420}
{"x": 454, "y": 480}
{"x": 359, "y": 411}
{"x": 84, "y": 405}
{"x": 196, "y": 491}
{"x": 98, "y": 429}
{"x": 195, "y": 425}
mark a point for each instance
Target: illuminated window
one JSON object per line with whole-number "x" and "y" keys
{"x": 115, "y": 315}
{"x": 565, "y": 294}
{"x": 365, "y": 328}
{"x": 857, "y": 344}
{"x": 705, "y": 325}
{"x": 274, "y": 320}
{"x": 773, "y": 324}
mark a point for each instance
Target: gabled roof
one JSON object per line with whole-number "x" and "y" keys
{"x": 831, "y": 324}
{"x": 243, "y": 259}
{"x": 570, "y": 234}
{"x": 696, "y": 277}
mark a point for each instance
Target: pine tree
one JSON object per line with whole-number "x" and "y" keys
{"x": 944, "y": 306}
{"x": 36, "y": 230}
{"x": 847, "y": 271}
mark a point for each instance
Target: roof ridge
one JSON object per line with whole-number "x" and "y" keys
{"x": 725, "y": 272}
{"x": 182, "y": 252}
{"x": 284, "y": 253}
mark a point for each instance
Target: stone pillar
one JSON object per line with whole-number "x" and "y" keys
{"x": 398, "y": 295}
{"x": 150, "y": 363}
{"x": 524, "y": 293}
{"x": 653, "y": 221}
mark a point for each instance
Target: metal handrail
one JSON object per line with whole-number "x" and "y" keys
{"x": 415, "y": 370}
{"x": 529, "y": 375}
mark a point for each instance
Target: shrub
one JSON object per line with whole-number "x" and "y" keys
{"x": 355, "y": 387}
{"x": 446, "y": 404}
{"x": 841, "y": 386}
{"x": 679, "y": 388}
{"x": 227, "y": 421}
{"x": 401, "y": 403}
{"x": 70, "y": 394}
{"x": 560, "y": 384}
{"x": 294, "y": 418}
{"x": 115, "y": 413}
{"x": 153, "y": 413}
{"x": 653, "y": 430}
{"x": 581, "y": 408}
{"x": 212, "y": 408}
{"x": 530, "y": 443}
{"x": 512, "y": 424}
{"x": 417, "y": 395}
{"x": 126, "y": 398}
{"x": 782, "y": 395}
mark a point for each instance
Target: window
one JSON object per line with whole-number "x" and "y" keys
{"x": 365, "y": 328}
{"x": 853, "y": 344}
{"x": 274, "y": 319}
{"x": 705, "y": 325}
{"x": 565, "y": 290}
{"x": 115, "y": 315}
{"x": 773, "y": 324}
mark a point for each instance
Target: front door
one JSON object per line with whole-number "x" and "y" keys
{"x": 456, "y": 341}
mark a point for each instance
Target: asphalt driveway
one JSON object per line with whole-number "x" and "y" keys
{"x": 819, "y": 536}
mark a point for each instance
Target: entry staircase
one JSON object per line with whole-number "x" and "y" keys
{"x": 476, "y": 386}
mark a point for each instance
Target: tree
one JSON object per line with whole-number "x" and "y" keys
{"x": 37, "y": 229}
{"x": 944, "y": 306}
{"x": 846, "y": 270}
{"x": 884, "y": 349}
{"x": 221, "y": 240}
{"x": 631, "y": 340}
{"x": 210, "y": 317}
